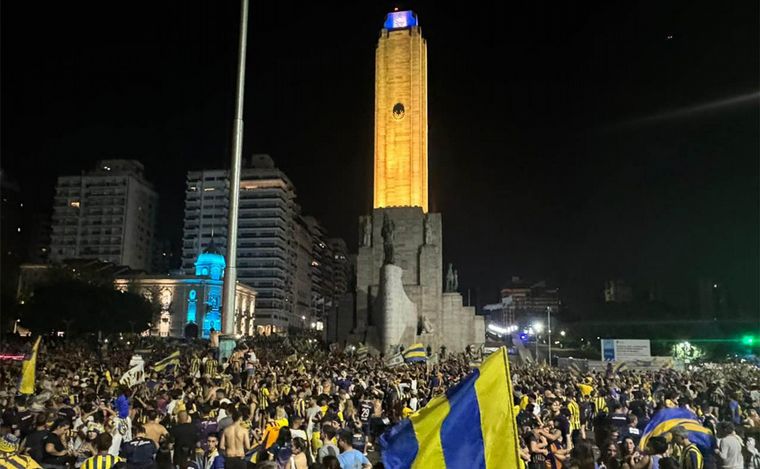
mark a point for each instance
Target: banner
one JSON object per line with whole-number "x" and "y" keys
{"x": 135, "y": 375}
{"x": 395, "y": 361}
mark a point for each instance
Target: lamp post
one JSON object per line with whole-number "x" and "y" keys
{"x": 537, "y": 327}
{"x": 549, "y": 331}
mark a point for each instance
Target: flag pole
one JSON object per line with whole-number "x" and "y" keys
{"x": 230, "y": 276}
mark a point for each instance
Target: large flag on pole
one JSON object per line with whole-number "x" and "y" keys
{"x": 471, "y": 426}
{"x": 28, "y": 369}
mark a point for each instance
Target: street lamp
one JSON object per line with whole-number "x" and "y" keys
{"x": 549, "y": 331}
{"x": 538, "y": 327}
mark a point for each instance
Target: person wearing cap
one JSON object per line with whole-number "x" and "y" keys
{"x": 691, "y": 457}
{"x": 350, "y": 458}
{"x": 9, "y": 456}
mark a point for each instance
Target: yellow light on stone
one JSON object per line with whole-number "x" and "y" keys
{"x": 401, "y": 131}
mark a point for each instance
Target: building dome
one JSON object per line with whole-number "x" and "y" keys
{"x": 210, "y": 263}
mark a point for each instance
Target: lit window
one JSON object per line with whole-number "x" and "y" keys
{"x": 18, "y": 229}
{"x": 74, "y": 203}
{"x": 208, "y": 189}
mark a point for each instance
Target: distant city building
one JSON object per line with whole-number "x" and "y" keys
{"x": 322, "y": 273}
{"x": 617, "y": 291}
{"x": 303, "y": 275}
{"x": 275, "y": 245}
{"x": 343, "y": 270}
{"x": 38, "y": 232}
{"x": 108, "y": 213}
{"x": 13, "y": 230}
{"x": 524, "y": 301}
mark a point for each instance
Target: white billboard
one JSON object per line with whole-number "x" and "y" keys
{"x": 625, "y": 349}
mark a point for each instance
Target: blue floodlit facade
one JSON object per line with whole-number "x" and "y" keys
{"x": 186, "y": 299}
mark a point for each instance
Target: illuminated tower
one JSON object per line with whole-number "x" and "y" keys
{"x": 401, "y": 130}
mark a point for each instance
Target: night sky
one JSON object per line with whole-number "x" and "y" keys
{"x": 569, "y": 141}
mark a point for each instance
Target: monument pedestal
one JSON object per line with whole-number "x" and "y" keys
{"x": 403, "y": 303}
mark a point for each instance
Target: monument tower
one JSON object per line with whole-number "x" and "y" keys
{"x": 400, "y": 297}
{"x": 401, "y": 131}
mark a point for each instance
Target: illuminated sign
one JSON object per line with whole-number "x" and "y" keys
{"x": 400, "y": 19}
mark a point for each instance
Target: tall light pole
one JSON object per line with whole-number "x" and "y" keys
{"x": 230, "y": 276}
{"x": 549, "y": 331}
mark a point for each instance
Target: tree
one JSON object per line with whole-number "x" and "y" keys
{"x": 78, "y": 307}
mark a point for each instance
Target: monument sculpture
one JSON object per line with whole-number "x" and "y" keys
{"x": 387, "y": 240}
{"x": 366, "y": 231}
{"x": 428, "y": 231}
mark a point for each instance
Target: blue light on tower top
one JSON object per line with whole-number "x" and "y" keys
{"x": 210, "y": 263}
{"x": 400, "y": 20}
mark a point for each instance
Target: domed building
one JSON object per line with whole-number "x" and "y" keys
{"x": 193, "y": 302}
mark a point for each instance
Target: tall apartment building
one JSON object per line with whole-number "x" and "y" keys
{"x": 304, "y": 283}
{"x": 341, "y": 266}
{"x": 322, "y": 272}
{"x": 108, "y": 213}
{"x": 267, "y": 245}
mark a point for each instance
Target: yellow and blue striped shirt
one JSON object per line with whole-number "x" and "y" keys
{"x": 100, "y": 461}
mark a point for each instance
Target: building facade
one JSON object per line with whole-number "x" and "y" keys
{"x": 194, "y": 300}
{"x": 108, "y": 213}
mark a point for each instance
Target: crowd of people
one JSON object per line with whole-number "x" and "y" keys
{"x": 294, "y": 403}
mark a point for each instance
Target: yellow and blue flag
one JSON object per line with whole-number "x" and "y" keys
{"x": 667, "y": 419}
{"x": 28, "y": 369}
{"x": 472, "y": 426}
{"x": 171, "y": 360}
{"x": 415, "y": 353}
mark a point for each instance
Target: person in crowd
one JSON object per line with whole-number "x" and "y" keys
{"x": 350, "y": 458}
{"x": 185, "y": 435}
{"x": 56, "y": 453}
{"x": 10, "y": 458}
{"x": 211, "y": 458}
{"x": 154, "y": 430}
{"x": 139, "y": 452}
{"x": 102, "y": 460}
{"x": 730, "y": 447}
{"x": 691, "y": 456}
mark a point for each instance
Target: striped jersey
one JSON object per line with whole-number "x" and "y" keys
{"x": 100, "y": 461}
{"x": 211, "y": 366}
{"x": 575, "y": 415}
{"x": 17, "y": 461}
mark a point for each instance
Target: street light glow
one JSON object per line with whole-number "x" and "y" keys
{"x": 538, "y": 327}
{"x": 562, "y": 333}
